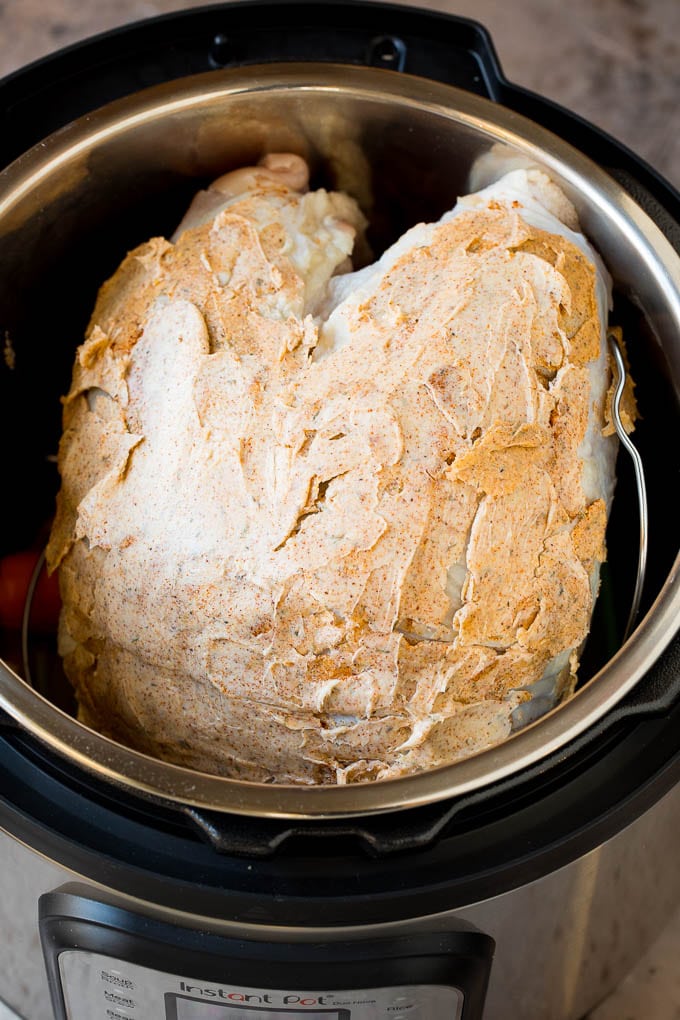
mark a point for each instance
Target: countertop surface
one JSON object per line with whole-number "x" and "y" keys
{"x": 617, "y": 63}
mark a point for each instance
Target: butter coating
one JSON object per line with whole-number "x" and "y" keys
{"x": 329, "y": 527}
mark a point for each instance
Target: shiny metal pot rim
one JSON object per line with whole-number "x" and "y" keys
{"x": 616, "y": 224}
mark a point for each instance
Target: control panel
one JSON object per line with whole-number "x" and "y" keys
{"x": 95, "y": 987}
{"x": 107, "y": 963}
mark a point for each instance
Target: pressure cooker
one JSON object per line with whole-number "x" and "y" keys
{"x": 521, "y": 882}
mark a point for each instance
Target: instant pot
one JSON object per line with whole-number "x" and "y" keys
{"x": 522, "y": 882}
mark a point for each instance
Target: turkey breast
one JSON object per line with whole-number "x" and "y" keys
{"x": 320, "y": 526}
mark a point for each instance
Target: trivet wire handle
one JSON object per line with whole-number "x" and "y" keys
{"x": 639, "y": 482}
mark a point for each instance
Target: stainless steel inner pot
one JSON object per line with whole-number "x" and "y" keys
{"x": 405, "y": 147}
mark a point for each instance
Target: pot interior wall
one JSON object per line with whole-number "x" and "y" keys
{"x": 403, "y": 161}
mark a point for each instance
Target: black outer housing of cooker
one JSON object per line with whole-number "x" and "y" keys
{"x": 385, "y": 867}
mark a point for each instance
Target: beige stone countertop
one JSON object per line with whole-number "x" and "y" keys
{"x": 615, "y": 62}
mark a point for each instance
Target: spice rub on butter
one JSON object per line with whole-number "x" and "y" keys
{"x": 321, "y": 526}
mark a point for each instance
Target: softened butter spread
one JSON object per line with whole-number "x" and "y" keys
{"x": 318, "y": 526}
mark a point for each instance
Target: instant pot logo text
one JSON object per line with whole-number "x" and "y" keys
{"x": 257, "y": 998}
